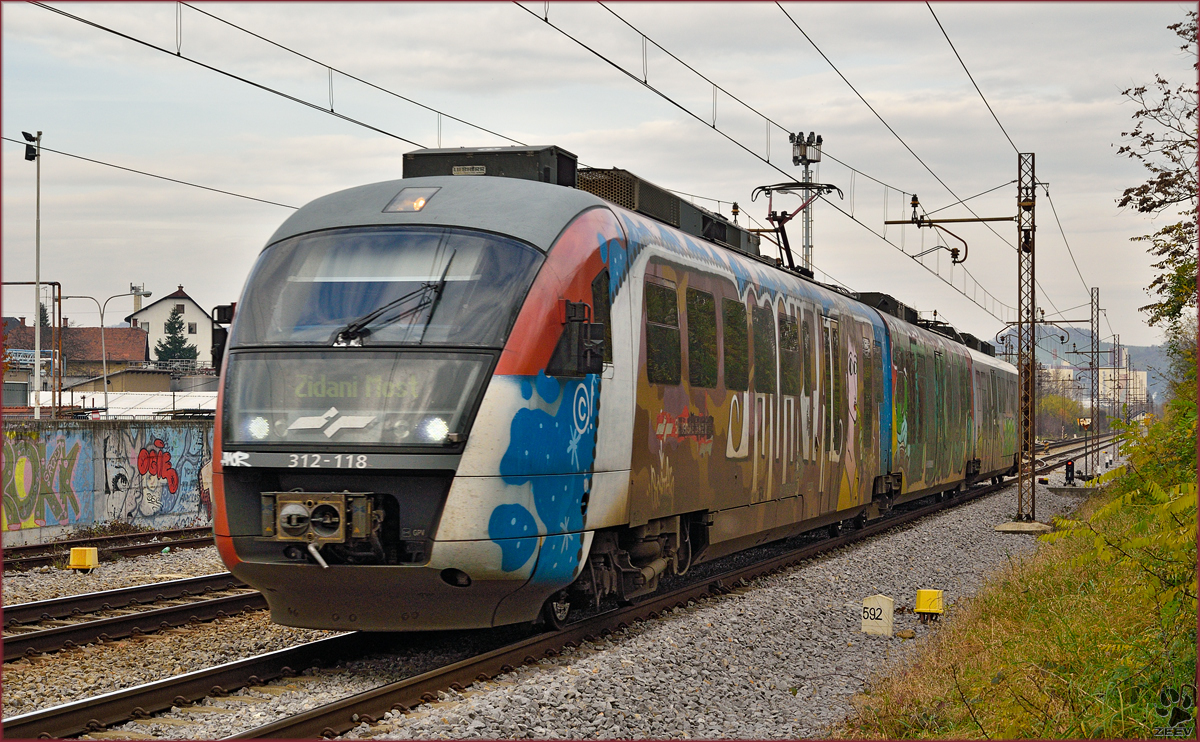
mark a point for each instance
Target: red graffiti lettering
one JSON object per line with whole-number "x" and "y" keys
{"x": 698, "y": 428}
{"x": 158, "y": 463}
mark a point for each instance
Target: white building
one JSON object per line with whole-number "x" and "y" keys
{"x": 197, "y": 324}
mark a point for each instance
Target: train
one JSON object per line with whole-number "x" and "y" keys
{"x": 504, "y": 388}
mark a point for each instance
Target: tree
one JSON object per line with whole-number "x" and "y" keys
{"x": 1164, "y": 141}
{"x": 175, "y": 345}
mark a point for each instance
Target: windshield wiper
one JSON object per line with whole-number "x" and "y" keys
{"x": 359, "y": 327}
{"x": 441, "y": 286}
{"x": 352, "y": 334}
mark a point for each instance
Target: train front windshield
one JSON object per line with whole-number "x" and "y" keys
{"x": 390, "y": 285}
{"x": 336, "y": 334}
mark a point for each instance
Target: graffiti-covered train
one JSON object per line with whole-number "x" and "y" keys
{"x": 463, "y": 400}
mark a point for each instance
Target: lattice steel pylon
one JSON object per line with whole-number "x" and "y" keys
{"x": 1026, "y": 335}
{"x": 1093, "y": 459}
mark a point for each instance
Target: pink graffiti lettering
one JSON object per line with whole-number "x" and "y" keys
{"x": 158, "y": 463}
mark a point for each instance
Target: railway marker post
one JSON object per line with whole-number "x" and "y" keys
{"x": 877, "y": 614}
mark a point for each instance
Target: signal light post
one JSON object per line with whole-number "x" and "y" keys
{"x": 33, "y": 151}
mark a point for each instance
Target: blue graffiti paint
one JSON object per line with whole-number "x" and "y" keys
{"x": 510, "y": 526}
{"x": 551, "y": 447}
{"x": 613, "y": 253}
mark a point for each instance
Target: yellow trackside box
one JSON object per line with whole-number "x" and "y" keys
{"x": 84, "y": 557}
{"x": 929, "y": 601}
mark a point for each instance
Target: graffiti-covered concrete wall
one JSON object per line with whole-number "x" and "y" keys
{"x": 60, "y": 475}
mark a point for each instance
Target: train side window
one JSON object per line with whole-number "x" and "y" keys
{"x": 702, "y": 338}
{"x": 789, "y": 356}
{"x": 736, "y": 345}
{"x": 764, "y": 350}
{"x": 602, "y": 311}
{"x": 662, "y": 334}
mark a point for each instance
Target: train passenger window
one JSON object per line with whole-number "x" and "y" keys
{"x": 736, "y": 345}
{"x": 789, "y": 356}
{"x": 764, "y": 350}
{"x": 662, "y": 334}
{"x": 602, "y": 311}
{"x": 702, "y": 338}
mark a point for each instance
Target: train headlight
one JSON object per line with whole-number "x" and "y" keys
{"x": 410, "y": 200}
{"x": 259, "y": 428}
{"x": 435, "y": 430}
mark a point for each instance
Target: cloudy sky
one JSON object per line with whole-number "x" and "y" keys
{"x": 1053, "y": 73}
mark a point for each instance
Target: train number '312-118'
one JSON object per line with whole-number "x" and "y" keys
{"x": 334, "y": 461}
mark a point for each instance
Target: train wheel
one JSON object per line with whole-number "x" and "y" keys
{"x": 556, "y": 610}
{"x": 835, "y": 529}
{"x": 860, "y": 521}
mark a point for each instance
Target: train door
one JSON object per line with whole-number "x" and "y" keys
{"x": 833, "y": 424}
{"x": 809, "y": 403}
{"x": 766, "y": 416}
{"x": 790, "y": 369}
{"x": 611, "y": 306}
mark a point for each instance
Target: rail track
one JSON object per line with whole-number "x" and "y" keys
{"x": 97, "y": 713}
{"x": 126, "y": 545}
{"x": 49, "y": 625}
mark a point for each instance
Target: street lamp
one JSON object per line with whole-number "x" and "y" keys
{"x": 33, "y": 151}
{"x": 103, "y": 346}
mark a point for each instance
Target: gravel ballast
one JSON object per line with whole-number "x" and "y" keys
{"x": 778, "y": 659}
{"x": 44, "y": 583}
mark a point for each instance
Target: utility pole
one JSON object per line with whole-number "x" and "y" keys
{"x": 1094, "y": 444}
{"x": 1026, "y": 329}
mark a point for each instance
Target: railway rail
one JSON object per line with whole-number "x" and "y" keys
{"x": 49, "y": 625}
{"x": 97, "y": 713}
{"x": 127, "y": 545}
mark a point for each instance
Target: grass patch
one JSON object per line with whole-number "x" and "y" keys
{"x": 1058, "y": 644}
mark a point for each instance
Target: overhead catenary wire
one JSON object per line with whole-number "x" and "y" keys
{"x": 636, "y": 78}
{"x": 226, "y": 73}
{"x": 901, "y": 139}
{"x": 1065, "y": 242}
{"x": 350, "y": 76}
{"x": 979, "y": 286}
{"x": 752, "y": 109}
{"x": 330, "y": 68}
{"x": 152, "y": 175}
{"x": 968, "y": 198}
{"x": 971, "y": 77}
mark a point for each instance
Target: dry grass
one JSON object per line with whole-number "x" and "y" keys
{"x": 1052, "y": 647}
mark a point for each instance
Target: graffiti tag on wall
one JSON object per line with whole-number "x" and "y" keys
{"x": 157, "y": 475}
{"x": 47, "y": 480}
